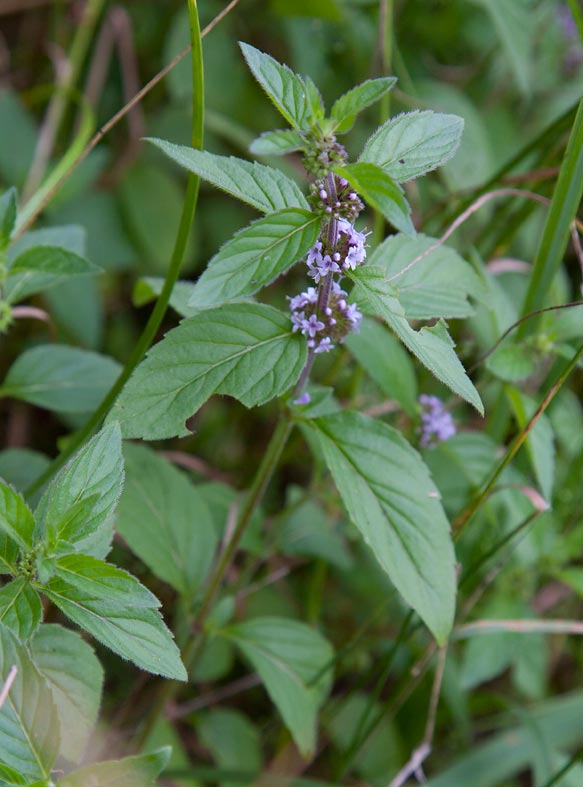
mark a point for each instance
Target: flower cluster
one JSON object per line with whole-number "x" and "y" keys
{"x": 344, "y": 204}
{"x": 437, "y": 424}
{"x": 328, "y": 328}
{"x": 348, "y": 253}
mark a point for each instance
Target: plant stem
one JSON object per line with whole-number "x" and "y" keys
{"x": 159, "y": 309}
{"x": 464, "y": 518}
{"x": 194, "y": 646}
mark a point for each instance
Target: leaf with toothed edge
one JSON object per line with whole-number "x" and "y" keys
{"x": 256, "y": 256}
{"x": 244, "y": 350}
{"x": 264, "y": 188}
{"x": 433, "y": 346}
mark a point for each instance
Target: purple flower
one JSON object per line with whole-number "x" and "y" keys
{"x": 305, "y": 398}
{"x": 437, "y": 424}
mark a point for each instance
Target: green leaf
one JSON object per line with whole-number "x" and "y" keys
{"x": 437, "y": 285}
{"x": 115, "y": 609}
{"x": 284, "y": 88}
{"x": 293, "y": 663}
{"x": 165, "y": 521}
{"x": 433, "y": 346}
{"x": 94, "y": 476}
{"x": 16, "y": 519}
{"x": 8, "y": 776}
{"x": 75, "y": 676}
{"x": 8, "y": 555}
{"x": 29, "y": 725}
{"x": 140, "y": 771}
{"x": 256, "y": 256}
{"x": 511, "y": 362}
{"x": 242, "y": 350}
{"x": 411, "y": 144}
{"x": 20, "y": 608}
{"x": 41, "y": 267}
{"x": 60, "y": 378}
{"x": 7, "y": 217}
{"x": 278, "y": 143}
{"x": 381, "y": 192}
{"x": 540, "y": 445}
{"x": 345, "y": 109}
{"x": 382, "y": 356}
{"x": 265, "y": 188}
{"x": 233, "y": 741}
{"x": 389, "y": 494}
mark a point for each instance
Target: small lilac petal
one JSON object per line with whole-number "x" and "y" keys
{"x": 305, "y": 398}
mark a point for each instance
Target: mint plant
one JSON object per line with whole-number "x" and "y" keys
{"x": 291, "y": 314}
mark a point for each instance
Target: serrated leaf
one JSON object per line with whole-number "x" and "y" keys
{"x": 61, "y": 378}
{"x": 437, "y": 286}
{"x": 95, "y": 476}
{"x": 411, "y": 144}
{"x": 432, "y": 346}
{"x": 140, "y": 771}
{"x": 41, "y": 267}
{"x": 98, "y": 578}
{"x": 278, "y": 143}
{"x": 384, "y": 359}
{"x": 242, "y": 350}
{"x": 16, "y": 519}
{"x": 7, "y": 217}
{"x": 115, "y": 609}
{"x": 165, "y": 521}
{"x": 8, "y": 554}
{"x": 540, "y": 443}
{"x": 293, "y": 662}
{"x": 29, "y": 725}
{"x": 256, "y": 256}
{"x": 20, "y": 608}
{"x": 390, "y": 497}
{"x": 381, "y": 192}
{"x": 345, "y": 109}
{"x": 75, "y": 676}
{"x": 284, "y": 88}
{"x": 265, "y": 188}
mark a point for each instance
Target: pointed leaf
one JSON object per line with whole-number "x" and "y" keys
{"x": 16, "y": 519}
{"x": 41, "y": 267}
{"x": 433, "y": 346}
{"x": 437, "y": 286}
{"x": 141, "y": 771}
{"x": 291, "y": 660}
{"x": 20, "y": 608}
{"x": 29, "y": 725}
{"x": 93, "y": 476}
{"x": 381, "y": 192}
{"x": 413, "y": 143}
{"x": 284, "y": 88}
{"x": 115, "y": 609}
{"x": 390, "y": 497}
{"x": 242, "y": 350}
{"x": 60, "y": 378}
{"x": 165, "y": 521}
{"x": 265, "y": 188}
{"x": 345, "y": 109}
{"x": 256, "y": 256}
{"x": 277, "y": 143}
{"x": 75, "y": 676}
